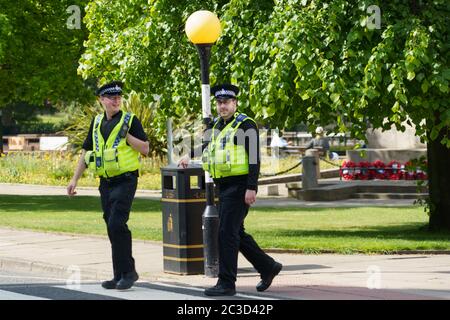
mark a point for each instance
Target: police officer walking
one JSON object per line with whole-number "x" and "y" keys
{"x": 112, "y": 149}
{"x": 232, "y": 159}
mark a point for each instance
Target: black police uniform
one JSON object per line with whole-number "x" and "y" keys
{"x": 233, "y": 210}
{"x": 117, "y": 194}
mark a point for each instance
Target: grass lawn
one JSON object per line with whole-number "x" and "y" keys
{"x": 340, "y": 230}
{"x": 53, "y": 118}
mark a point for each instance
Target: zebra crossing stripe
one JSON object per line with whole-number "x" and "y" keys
{"x": 94, "y": 291}
{"x": 9, "y": 295}
{"x": 135, "y": 293}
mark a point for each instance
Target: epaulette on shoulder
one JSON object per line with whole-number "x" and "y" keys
{"x": 241, "y": 117}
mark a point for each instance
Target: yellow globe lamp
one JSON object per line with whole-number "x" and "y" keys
{"x": 203, "y": 27}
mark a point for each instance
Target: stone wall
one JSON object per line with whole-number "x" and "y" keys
{"x": 385, "y": 155}
{"x": 390, "y": 145}
{"x": 394, "y": 139}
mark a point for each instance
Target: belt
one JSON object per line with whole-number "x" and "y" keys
{"x": 120, "y": 176}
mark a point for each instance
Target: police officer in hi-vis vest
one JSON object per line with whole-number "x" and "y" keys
{"x": 112, "y": 149}
{"x": 232, "y": 159}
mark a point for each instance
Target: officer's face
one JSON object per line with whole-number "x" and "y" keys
{"x": 111, "y": 103}
{"x": 226, "y": 108}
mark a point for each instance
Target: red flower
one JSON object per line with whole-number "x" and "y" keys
{"x": 348, "y": 170}
{"x": 365, "y": 172}
{"x": 394, "y": 170}
{"x": 380, "y": 171}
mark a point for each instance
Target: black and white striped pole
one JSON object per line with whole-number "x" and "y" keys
{"x": 203, "y": 29}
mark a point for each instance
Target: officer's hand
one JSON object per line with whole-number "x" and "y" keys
{"x": 71, "y": 188}
{"x": 250, "y": 197}
{"x": 184, "y": 161}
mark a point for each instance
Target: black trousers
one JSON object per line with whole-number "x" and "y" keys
{"x": 117, "y": 195}
{"x": 233, "y": 238}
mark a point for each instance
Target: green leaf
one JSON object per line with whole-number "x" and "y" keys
{"x": 146, "y": 41}
{"x": 425, "y": 85}
{"x": 446, "y": 74}
{"x": 354, "y": 35}
{"x": 434, "y": 133}
{"x": 309, "y": 69}
{"x": 305, "y": 96}
{"x": 335, "y": 97}
{"x": 411, "y": 75}
{"x": 443, "y": 87}
{"x": 371, "y": 93}
{"x": 273, "y": 52}
{"x": 363, "y": 21}
{"x": 445, "y": 116}
{"x": 420, "y": 76}
{"x": 390, "y": 87}
{"x": 403, "y": 98}
{"x": 396, "y": 107}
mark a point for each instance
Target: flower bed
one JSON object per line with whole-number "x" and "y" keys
{"x": 394, "y": 170}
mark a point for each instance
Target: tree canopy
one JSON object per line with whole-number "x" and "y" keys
{"x": 39, "y": 53}
{"x": 315, "y": 61}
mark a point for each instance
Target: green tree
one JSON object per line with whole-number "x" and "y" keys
{"x": 314, "y": 61}
{"x": 39, "y": 53}
{"x": 5, "y": 33}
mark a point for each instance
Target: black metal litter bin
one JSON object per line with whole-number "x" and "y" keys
{"x": 183, "y": 203}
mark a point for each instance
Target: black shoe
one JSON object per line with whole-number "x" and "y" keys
{"x": 127, "y": 281}
{"x": 266, "y": 281}
{"x": 111, "y": 284}
{"x": 219, "y": 290}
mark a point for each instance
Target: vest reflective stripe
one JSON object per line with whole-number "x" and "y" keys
{"x": 115, "y": 156}
{"x": 222, "y": 158}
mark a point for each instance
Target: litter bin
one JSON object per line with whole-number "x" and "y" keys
{"x": 183, "y": 203}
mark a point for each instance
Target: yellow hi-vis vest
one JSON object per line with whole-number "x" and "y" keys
{"x": 115, "y": 156}
{"x": 222, "y": 158}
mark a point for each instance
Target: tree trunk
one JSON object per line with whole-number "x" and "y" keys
{"x": 439, "y": 184}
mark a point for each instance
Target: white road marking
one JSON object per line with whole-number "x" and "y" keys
{"x": 135, "y": 293}
{"x": 8, "y": 295}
